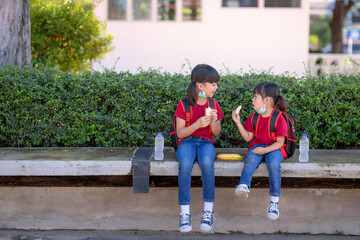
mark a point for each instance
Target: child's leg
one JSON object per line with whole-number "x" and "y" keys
{"x": 185, "y": 209}
{"x": 186, "y": 155}
{"x": 208, "y": 206}
{"x": 206, "y": 156}
{"x": 273, "y": 161}
{"x": 252, "y": 162}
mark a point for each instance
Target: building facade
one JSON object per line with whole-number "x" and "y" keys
{"x": 234, "y": 35}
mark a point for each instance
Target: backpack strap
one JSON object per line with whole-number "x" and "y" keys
{"x": 274, "y": 117}
{"x": 187, "y": 110}
{"x": 211, "y": 103}
{"x": 255, "y": 122}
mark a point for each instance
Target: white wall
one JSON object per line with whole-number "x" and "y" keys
{"x": 239, "y": 38}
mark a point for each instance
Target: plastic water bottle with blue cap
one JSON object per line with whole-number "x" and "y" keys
{"x": 159, "y": 146}
{"x": 304, "y": 148}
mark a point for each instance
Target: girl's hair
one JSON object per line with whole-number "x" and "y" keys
{"x": 268, "y": 89}
{"x": 200, "y": 74}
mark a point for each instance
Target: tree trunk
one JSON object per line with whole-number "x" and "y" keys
{"x": 336, "y": 24}
{"x": 15, "y": 33}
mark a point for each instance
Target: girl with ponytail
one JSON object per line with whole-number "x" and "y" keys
{"x": 266, "y": 98}
{"x": 197, "y": 144}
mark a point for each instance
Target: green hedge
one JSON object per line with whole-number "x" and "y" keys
{"x": 48, "y": 108}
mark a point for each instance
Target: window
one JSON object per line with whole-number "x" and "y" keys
{"x": 166, "y": 10}
{"x": 240, "y": 3}
{"x": 117, "y": 9}
{"x": 283, "y": 3}
{"x": 142, "y": 9}
{"x": 191, "y": 10}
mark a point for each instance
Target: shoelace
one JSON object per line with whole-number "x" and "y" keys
{"x": 185, "y": 219}
{"x": 273, "y": 207}
{"x": 207, "y": 216}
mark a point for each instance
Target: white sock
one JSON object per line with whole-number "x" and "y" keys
{"x": 274, "y": 199}
{"x": 208, "y": 206}
{"x": 185, "y": 209}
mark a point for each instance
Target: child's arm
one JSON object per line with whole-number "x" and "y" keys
{"x": 215, "y": 128}
{"x": 214, "y": 123}
{"x": 275, "y": 146}
{"x": 248, "y": 136}
{"x": 183, "y": 132}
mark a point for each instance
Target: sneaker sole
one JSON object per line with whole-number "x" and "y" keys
{"x": 205, "y": 228}
{"x": 241, "y": 194}
{"x": 185, "y": 229}
{"x": 272, "y": 216}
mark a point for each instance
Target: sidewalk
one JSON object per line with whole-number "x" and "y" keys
{"x": 154, "y": 235}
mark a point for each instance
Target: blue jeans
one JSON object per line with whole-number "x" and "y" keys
{"x": 190, "y": 150}
{"x": 272, "y": 159}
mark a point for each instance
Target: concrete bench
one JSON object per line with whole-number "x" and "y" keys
{"x": 66, "y": 161}
{"x": 322, "y": 164}
{"x": 139, "y": 162}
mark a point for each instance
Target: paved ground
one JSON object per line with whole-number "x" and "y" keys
{"x": 148, "y": 235}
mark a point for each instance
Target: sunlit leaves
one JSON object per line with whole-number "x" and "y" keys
{"x": 66, "y": 34}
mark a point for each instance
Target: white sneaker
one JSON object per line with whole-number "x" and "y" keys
{"x": 207, "y": 220}
{"x": 185, "y": 222}
{"x": 273, "y": 211}
{"x": 242, "y": 190}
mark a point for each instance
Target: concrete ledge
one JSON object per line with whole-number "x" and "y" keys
{"x": 322, "y": 164}
{"x": 313, "y": 211}
{"x": 64, "y": 168}
{"x": 233, "y": 169}
{"x": 119, "y": 161}
{"x": 66, "y": 161}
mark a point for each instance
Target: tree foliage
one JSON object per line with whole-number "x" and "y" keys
{"x": 66, "y": 34}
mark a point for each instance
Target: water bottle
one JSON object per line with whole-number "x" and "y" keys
{"x": 159, "y": 146}
{"x": 304, "y": 148}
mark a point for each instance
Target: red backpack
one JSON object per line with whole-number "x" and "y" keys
{"x": 188, "y": 116}
{"x": 290, "y": 141}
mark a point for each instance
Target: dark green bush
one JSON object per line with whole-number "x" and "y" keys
{"x": 48, "y": 108}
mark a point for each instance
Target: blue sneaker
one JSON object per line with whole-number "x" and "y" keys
{"x": 207, "y": 221}
{"x": 273, "y": 211}
{"x": 185, "y": 222}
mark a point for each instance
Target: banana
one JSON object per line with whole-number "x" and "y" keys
{"x": 229, "y": 157}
